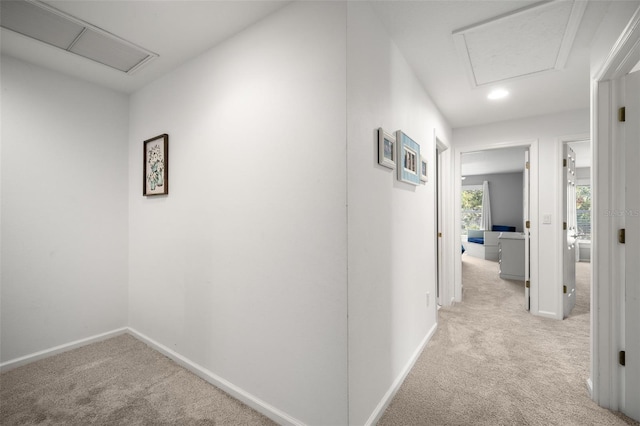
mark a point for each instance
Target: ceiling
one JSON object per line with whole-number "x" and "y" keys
{"x": 423, "y": 32}
{"x": 177, "y": 30}
{"x": 502, "y": 160}
{"x": 180, "y": 30}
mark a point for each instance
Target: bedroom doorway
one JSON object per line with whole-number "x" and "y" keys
{"x": 496, "y": 177}
{"x": 576, "y": 217}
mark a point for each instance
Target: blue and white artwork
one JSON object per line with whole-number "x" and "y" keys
{"x": 408, "y": 159}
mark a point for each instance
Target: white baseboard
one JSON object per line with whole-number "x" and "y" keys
{"x": 547, "y": 314}
{"x": 17, "y": 362}
{"x": 395, "y": 386}
{"x": 238, "y": 393}
{"x": 252, "y": 401}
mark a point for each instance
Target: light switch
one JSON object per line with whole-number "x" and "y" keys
{"x": 546, "y": 219}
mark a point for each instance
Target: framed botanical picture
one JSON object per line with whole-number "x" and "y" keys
{"x": 386, "y": 149}
{"x": 408, "y": 159}
{"x": 423, "y": 169}
{"x": 156, "y": 166}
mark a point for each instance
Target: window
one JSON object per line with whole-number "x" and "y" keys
{"x": 583, "y": 207}
{"x": 471, "y": 207}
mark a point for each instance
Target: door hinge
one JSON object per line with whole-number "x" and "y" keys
{"x": 621, "y": 237}
{"x": 621, "y": 114}
{"x": 564, "y": 289}
{"x": 527, "y": 224}
{"x": 621, "y": 357}
{"x": 564, "y": 162}
{"x": 526, "y": 165}
{"x": 439, "y": 234}
{"x": 527, "y": 284}
{"x": 564, "y": 226}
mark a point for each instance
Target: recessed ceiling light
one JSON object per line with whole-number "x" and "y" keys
{"x": 498, "y": 94}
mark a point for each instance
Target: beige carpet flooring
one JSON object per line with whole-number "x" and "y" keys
{"x": 489, "y": 363}
{"x": 492, "y": 363}
{"x": 120, "y": 381}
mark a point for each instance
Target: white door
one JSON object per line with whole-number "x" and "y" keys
{"x": 631, "y": 128}
{"x": 443, "y": 291}
{"x": 569, "y": 229}
{"x": 439, "y": 217}
{"x": 526, "y": 227}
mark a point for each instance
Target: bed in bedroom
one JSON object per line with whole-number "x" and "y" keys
{"x": 484, "y": 244}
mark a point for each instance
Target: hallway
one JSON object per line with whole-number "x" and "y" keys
{"x": 490, "y": 362}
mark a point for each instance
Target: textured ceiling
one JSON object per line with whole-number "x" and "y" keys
{"x": 179, "y": 30}
{"x": 423, "y": 31}
{"x": 49, "y": 25}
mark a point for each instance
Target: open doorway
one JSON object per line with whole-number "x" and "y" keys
{"x": 494, "y": 200}
{"x": 506, "y": 169}
{"x": 576, "y": 229}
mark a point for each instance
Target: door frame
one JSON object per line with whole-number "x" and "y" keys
{"x": 533, "y": 217}
{"x": 580, "y": 137}
{"x": 607, "y": 297}
{"x": 445, "y": 269}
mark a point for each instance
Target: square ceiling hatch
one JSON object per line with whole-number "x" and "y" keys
{"x": 528, "y": 41}
{"x": 42, "y": 22}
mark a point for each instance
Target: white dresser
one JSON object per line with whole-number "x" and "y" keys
{"x": 511, "y": 252}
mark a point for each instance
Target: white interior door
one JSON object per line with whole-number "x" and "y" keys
{"x": 526, "y": 227}
{"x": 439, "y": 216}
{"x": 631, "y": 127}
{"x": 569, "y": 229}
{"x": 444, "y": 292}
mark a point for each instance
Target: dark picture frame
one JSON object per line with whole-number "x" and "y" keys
{"x": 155, "y": 176}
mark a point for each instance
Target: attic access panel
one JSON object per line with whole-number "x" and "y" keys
{"x": 528, "y": 41}
{"x": 49, "y": 25}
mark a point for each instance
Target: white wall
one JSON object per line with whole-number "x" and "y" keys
{"x": 548, "y": 131}
{"x": 583, "y": 175}
{"x": 242, "y": 267}
{"x": 64, "y": 209}
{"x": 391, "y": 224}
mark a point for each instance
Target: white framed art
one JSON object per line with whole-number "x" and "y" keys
{"x": 386, "y": 149}
{"x": 423, "y": 169}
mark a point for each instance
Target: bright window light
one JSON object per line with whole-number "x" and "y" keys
{"x": 498, "y": 94}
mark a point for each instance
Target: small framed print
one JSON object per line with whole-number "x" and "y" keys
{"x": 423, "y": 169}
{"x": 156, "y": 166}
{"x": 386, "y": 149}
{"x": 408, "y": 159}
